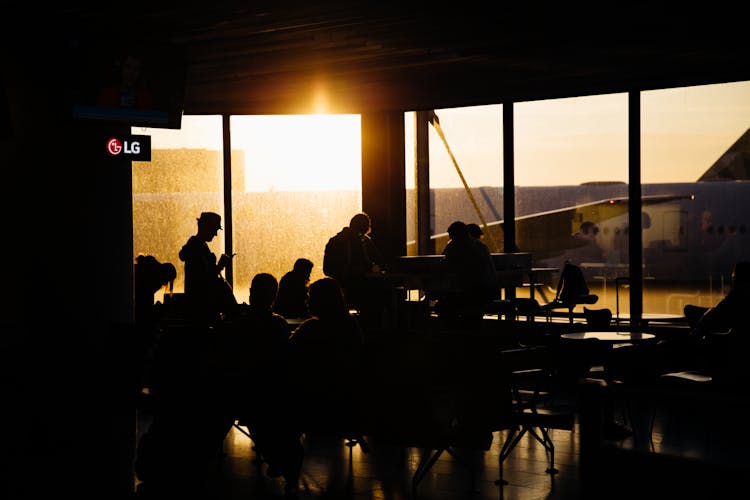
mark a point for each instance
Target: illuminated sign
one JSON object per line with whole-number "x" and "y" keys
{"x": 134, "y": 147}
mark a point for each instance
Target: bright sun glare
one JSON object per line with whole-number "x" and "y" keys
{"x": 299, "y": 152}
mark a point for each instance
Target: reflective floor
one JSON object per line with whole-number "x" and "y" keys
{"x": 333, "y": 470}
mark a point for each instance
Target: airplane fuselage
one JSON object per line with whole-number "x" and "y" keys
{"x": 697, "y": 234}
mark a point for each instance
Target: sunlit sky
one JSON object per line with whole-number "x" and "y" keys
{"x": 557, "y": 142}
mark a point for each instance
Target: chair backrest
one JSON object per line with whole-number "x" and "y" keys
{"x": 526, "y": 307}
{"x": 529, "y": 372}
{"x": 597, "y": 318}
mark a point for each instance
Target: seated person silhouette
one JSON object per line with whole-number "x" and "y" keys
{"x": 731, "y": 311}
{"x": 718, "y": 335}
{"x": 326, "y": 351}
{"x": 291, "y": 301}
{"x": 150, "y": 276}
{"x": 722, "y": 334}
{"x": 469, "y": 269}
{"x": 257, "y": 388}
{"x": 475, "y": 231}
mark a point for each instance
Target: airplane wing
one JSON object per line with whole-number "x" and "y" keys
{"x": 551, "y": 233}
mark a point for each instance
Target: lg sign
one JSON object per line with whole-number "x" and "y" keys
{"x": 134, "y": 147}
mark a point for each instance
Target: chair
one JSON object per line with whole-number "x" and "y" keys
{"x": 597, "y": 318}
{"x": 535, "y": 409}
{"x": 682, "y": 382}
{"x": 571, "y": 292}
{"x": 526, "y": 307}
{"x": 501, "y": 307}
{"x": 452, "y": 419}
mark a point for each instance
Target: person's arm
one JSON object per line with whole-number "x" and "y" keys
{"x": 717, "y": 319}
{"x": 373, "y": 252}
{"x": 224, "y": 261}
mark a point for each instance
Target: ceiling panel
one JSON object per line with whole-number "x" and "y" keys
{"x": 281, "y": 57}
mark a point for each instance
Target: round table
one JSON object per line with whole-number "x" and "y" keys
{"x": 609, "y": 336}
{"x": 655, "y": 317}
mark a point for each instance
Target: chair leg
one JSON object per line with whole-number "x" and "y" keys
{"x": 514, "y": 436}
{"x": 426, "y": 461}
{"x": 549, "y": 446}
{"x": 654, "y": 409}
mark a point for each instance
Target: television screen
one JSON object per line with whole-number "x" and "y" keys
{"x": 139, "y": 84}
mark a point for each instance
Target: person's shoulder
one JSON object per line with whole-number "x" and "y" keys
{"x": 338, "y": 237}
{"x": 304, "y": 327}
{"x": 287, "y": 276}
{"x": 278, "y": 319}
{"x": 192, "y": 241}
{"x": 482, "y": 246}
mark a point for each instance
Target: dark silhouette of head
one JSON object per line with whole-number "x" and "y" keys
{"x": 458, "y": 231}
{"x": 209, "y": 224}
{"x": 326, "y": 299}
{"x": 360, "y": 223}
{"x": 474, "y": 230}
{"x": 153, "y": 274}
{"x": 263, "y": 290}
{"x": 303, "y": 266}
{"x": 589, "y": 228}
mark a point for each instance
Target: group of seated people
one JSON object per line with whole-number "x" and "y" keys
{"x": 253, "y": 368}
{"x": 282, "y": 381}
{"x": 468, "y": 260}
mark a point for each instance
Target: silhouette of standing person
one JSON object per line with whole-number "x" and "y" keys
{"x": 350, "y": 256}
{"x": 207, "y": 292}
{"x": 291, "y": 301}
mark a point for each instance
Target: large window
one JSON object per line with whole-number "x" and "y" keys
{"x": 571, "y": 172}
{"x": 183, "y": 179}
{"x": 465, "y": 171}
{"x": 571, "y": 187}
{"x": 691, "y": 151}
{"x": 296, "y": 181}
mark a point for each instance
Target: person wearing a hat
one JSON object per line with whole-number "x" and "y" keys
{"x": 205, "y": 288}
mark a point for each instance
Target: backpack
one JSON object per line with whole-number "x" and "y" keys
{"x": 337, "y": 256}
{"x": 572, "y": 284}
